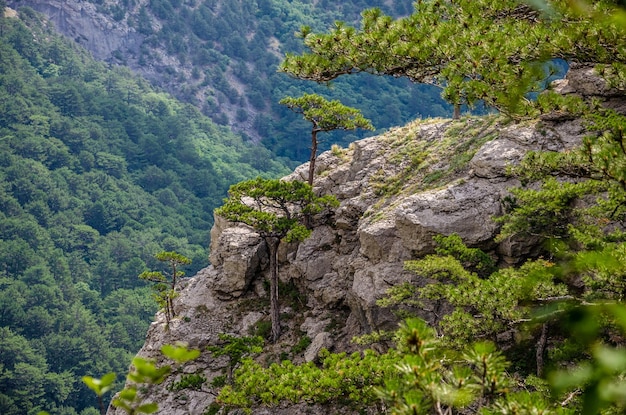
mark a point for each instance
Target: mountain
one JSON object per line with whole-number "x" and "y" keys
{"x": 99, "y": 172}
{"x": 221, "y": 56}
{"x": 396, "y": 191}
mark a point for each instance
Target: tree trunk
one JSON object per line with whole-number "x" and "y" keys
{"x": 313, "y": 156}
{"x": 272, "y": 244}
{"x": 541, "y": 346}
{"x": 457, "y": 112}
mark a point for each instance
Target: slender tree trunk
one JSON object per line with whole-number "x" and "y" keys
{"x": 313, "y": 156}
{"x": 457, "y": 112}
{"x": 274, "y": 306}
{"x": 170, "y": 305}
{"x": 101, "y": 404}
{"x": 541, "y": 346}
{"x": 229, "y": 373}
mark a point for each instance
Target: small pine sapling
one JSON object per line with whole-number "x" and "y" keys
{"x": 165, "y": 283}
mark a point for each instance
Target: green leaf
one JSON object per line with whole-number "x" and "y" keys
{"x": 100, "y": 386}
{"x": 148, "y": 408}
{"x": 180, "y": 353}
{"x": 128, "y": 394}
{"x": 610, "y": 359}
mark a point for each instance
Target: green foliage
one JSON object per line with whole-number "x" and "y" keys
{"x": 278, "y": 210}
{"x": 219, "y": 381}
{"x": 536, "y": 165}
{"x": 278, "y": 207}
{"x": 324, "y": 116}
{"x": 88, "y": 170}
{"x": 263, "y": 329}
{"x": 165, "y": 287}
{"x": 215, "y": 42}
{"x": 100, "y": 387}
{"x": 236, "y": 348}
{"x": 179, "y": 353}
{"x": 302, "y": 344}
{"x": 192, "y": 381}
{"x": 99, "y": 171}
{"x": 431, "y": 377}
{"x": 341, "y": 378}
{"x": 294, "y": 297}
{"x": 599, "y": 379}
{"x": 499, "y": 67}
{"x": 472, "y": 259}
{"x": 213, "y": 409}
{"x": 144, "y": 374}
{"x": 483, "y": 307}
{"x": 605, "y": 149}
{"x": 418, "y": 376}
{"x": 547, "y": 212}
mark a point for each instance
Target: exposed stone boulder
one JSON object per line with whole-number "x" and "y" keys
{"x": 492, "y": 160}
{"x": 465, "y": 208}
{"x": 321, "y": 341}
{"x": 310, "y": 259}
{"x": 583, "y": 79}
{"x": 239, "y": 255}
{"x": 312, "y": 327}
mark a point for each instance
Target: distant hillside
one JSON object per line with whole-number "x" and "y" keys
{"x": 98, "y": 172}
{"x": 221, "y": 56}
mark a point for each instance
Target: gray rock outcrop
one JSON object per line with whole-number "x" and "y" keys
{"x": 391, "y": 205}
{"x": 396, "y": 192}
{"x": 82, "y": 22}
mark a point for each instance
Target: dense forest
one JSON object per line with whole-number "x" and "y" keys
{"x": 99, "y": 172}
{"x": 222, "y": 57}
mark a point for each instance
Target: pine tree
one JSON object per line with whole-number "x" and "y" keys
{"x": 276, "y": 209}
{"x": 494, "y": 51}
{"x": 325, "y": 116}
{"x": 165, "y": 288}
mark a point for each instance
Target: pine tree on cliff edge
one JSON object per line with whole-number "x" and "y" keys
{"x": 276, "y": 210}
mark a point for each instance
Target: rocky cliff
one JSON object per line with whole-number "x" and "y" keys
{"x": 397, "y": 191}
{"x": 93, "y": 26}
{"x": 82, "y": 22}
{"x": 97, "y": 32}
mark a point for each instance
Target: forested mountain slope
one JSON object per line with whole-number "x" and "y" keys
{"x": 98, "y": 173}
{"x": 222, "y": 57}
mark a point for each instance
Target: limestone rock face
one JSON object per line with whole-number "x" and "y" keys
{"x": 392, "y": 203}
{"x": 321, "y": 341}
{"x": 584, "y": 80}
{"x": 238, "y": 254}
{"x": 81, "y": 21}
{"x": 491, "y": 161}
{"x": 396, "y": 192}
{"x": 465, "y": 208}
